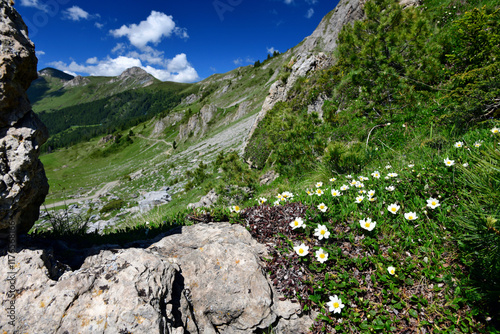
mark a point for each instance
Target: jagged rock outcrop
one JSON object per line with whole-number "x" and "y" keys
{"x": 23, "y": 185}
{"x": 205, "y": 278}
{"x": 135, "y": 76}
{"x": 76, "y": 81}
{"x": 198, "y": 123}
{"x": 154, "y": 198}
{"x": 165, "y": 122}
{"x": 206, "y": 201}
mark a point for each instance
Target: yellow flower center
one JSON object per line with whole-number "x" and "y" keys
{"x": 301, "y": 250}
{"x": 410, "y": 217}
{"x": 433, "y": 203}
{"x": 296, "y": 223}
{"x": 237, "y": 208}
{"x": 336, "y": 305}
{"x": 323, "y": 232}
{"x": 322, "y": 255}
{"x": 367, "y": 224}
{"x": 393, "y": 209}
{"x": 392, "y": 271}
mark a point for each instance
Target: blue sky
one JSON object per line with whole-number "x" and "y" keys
{"x": 183, "y": 40}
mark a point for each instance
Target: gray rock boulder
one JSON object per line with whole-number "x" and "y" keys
{"x": 23, "y": 185}
{"x": 206, "y": 201}
{"x": 205, "y": 278}
{"x": 154, "y": 198}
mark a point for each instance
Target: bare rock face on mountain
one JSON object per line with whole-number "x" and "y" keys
{"x": 23, "y": 185}
{"x": 205, "y": 278}
{"x": 135, "y": 76}
{"x": 198, "y": 123}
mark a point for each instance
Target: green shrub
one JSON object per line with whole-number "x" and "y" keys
{"x": 112, "y": 206}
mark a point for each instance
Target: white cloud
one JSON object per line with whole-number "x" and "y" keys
{"x": 75, "y": 13}
{"x": 39, "y": 53}
{"x": 312, "y": 2}
{"x": 288, "y": 2}
{"x": 271, "y": 50}
{"x": 92, "y": 60}
{"x": 310, "y": 13}
{"x": 99, "y": 25}
{"x": 238, "y": 61}
{"x": 35, "y": 4}
{"x": 176, "y": 69}
{"x": 156, "y": 26}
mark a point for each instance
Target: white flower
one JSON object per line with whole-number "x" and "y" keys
{"x": 321, "y": 232}
{"x": 388, "y": 167}
{"x": 371, "y": 199}
{"x": 391, "y": 270}
{"x": 367, "y": 224}
{"x": 301, "y": 250}
{"x": 319, "y": 184}
{"x": 262, "y": 200}
{"x": 392, "y": 174}
{"x": 465, "y": 165}
{"x": 322, "y": 207}
{"x": 371, "y": 193}
{"x": 390, "y": 188}
{"x": 332, "y": 179}
{"x": 321, "y": 256}
{"x": 359, "y": 199}
{"x": 319, "y": 192}
{"x": 353, "y": 182}
{"x": 348, "y": 176}
{"x": 411, "y": 215}
{"x": 495, "y": 130}
{"x": 393, "y": 208}
{"x": 359, "y": 185}
{"x": 376, "y": 174}
{"x": 310, "y": 193}
{"x": 344, "y": 187}
{"x": 296, "y": 223}
{"x": 276, "y": 203}
{"x": 449, "y": 162}
{"x": 411, "y": 165}
{"x": 459, "y": 144}
{"x": 433, "y": 203}
{"x": 235, "y": 208}
{"x": 335, "y": 304}
{"x": 336, "y": 193}
{"x": 477, "y": 143}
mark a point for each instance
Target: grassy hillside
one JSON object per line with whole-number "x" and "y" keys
{"x": 401, "y": 173}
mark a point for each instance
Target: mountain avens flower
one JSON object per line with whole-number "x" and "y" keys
{"x": 393, "y": 208}
{"x": 411, "y": 215}
{"x": 376, "y": 174}
{"x": 371, "y": 193}
{"x": 321, "y": 232}
{"x": 322, "y": 207}
{"x": 262, "y": 200}
{"x": 321, "y": 256}
{"x": 459, "y": 144}
{"x": 336, "y": 193}
{"x": 344, "y": 187}
{"x": 367, "y": 224}
{"x": 296, "y": 223}
{"x": 433, "y": 203}
{"x": 319, "y": 192}
{"x": 235, "y": 208}
{"x": 319, "y": 184}
{"x": 391, "y": 270}
{"x": 392, "y": 174}
{"x": 301, "y": 250}
{"x": 335, "y": 304}
{"x": 333, "y": 179}
{"x": 495, "y": 130}
{"x": 449, "y": 162}
{"x": 390, "y": 188}
{"x": 359, "y": 199}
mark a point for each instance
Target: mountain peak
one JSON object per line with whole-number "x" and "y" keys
{"x": 137, "y": 74}
{"x": 54, "y": 73}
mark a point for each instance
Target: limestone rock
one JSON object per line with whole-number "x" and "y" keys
{"x": 206, "y": 201}
{"x": 154, "y": 198}
{"x": 268, "y": 177}
{"x": 76, "y": 81}
{"x": 205, "y": 278}
{"x": 23, "y": 185}
{"x": 135, "y": 76}
{"x": 191, "y": 99}
{"x": 198, "y": 123}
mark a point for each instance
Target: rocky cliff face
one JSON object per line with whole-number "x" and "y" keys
{"x": 205, "y": 278}
{"x": 23, "y": 185}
